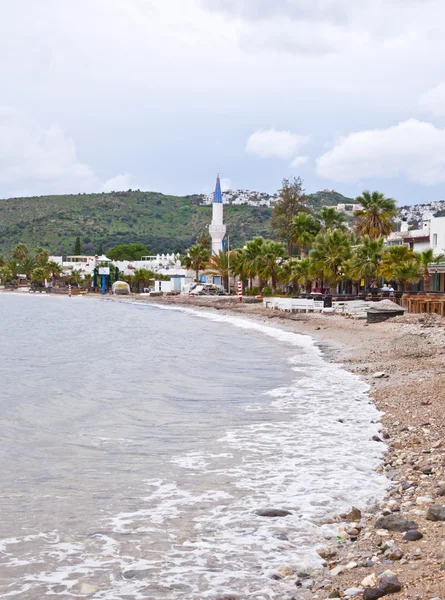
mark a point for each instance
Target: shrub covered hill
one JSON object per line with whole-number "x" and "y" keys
{"x": 163, "y": 223}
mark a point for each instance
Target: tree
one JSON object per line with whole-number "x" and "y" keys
{"x": 252, "y": 253}
{"x": 367, "y": 258}
{"x": 74, "y": 277}
{"x": 290, "y": 203}
{"x": 77, "y": 247}
{"x": 20, "y": 252}
{"x": 238, "y": 265}
{"x": 304, "y": 274}
{"x": 54, "y": 270}
{"x": 13, "y": 268}
{"x": 329, "y": 254}
{"x": 196, "y": 259}
{"x": 100, "y": 249}
{"x": 27, "y": 266}
{"x": 402, "y": 265}
{"x": 141, "y": 278}
{"x": 268, "y": 262}
{"x": 205, "y": 240}
{"x": 219, "y": 265}
{"x": 128, "y": 252}
{"x": 297, "y": 272}
{"x": 38, "y": 275}
{"x": 289, "y": 272}
{"x": 2, "y": 260}
{"x": 304, "y": 230}
{"x": 41, "y": 256}
{"x": 426, "y": 258}
{"x": 331, "y": 218}
{"x": 86, "y": 282}
{"x": 375, "y": 216}
{"x": 5, "y": 274}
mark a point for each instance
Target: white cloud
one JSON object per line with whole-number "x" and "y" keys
{"x": 299, "y": 161}
{"x": 120, "y": 183}
{"x": 38, "y": 160}
{"x": 332, "y": 65}
{"x": 310, "y": 10}
{"x": 271, "y": 143}
{"x": 413, "y": 149}
{"x": 33, "y": 157}
{"x": 434, "y": 100}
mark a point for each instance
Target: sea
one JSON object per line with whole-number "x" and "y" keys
{"x": 138, "y": 444}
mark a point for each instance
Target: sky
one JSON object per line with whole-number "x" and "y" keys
{"x": 102, "y": 95}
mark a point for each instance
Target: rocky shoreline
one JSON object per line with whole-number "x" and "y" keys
{"x": 396, "y": 549}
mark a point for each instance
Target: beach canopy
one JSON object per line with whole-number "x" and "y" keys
{"x": 120, "y": 288}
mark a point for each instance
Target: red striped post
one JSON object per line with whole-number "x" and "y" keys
{"x": 240, "y": 291}
{"x": 69, "y": 290}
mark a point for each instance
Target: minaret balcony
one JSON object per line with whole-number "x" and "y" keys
{"x": 217, "y": 229}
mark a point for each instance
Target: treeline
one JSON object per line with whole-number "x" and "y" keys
{"x": 321, "y": 247}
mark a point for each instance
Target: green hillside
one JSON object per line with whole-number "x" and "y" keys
{"x": 162, "y": 223}
{"x": 327, "y": 198}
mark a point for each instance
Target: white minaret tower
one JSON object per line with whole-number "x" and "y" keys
{"x": 217, "y": 229}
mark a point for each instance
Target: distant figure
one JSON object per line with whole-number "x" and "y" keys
{"x": 386, "y": 288}
{"x": 391, "y": 289}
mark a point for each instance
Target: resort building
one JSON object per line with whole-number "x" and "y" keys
{"x": 430, "y": 235}
{"x": 417, "y": 239}
{"x": 82, "y": 263}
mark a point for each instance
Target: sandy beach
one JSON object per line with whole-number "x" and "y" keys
{"x": 403, "y": 362}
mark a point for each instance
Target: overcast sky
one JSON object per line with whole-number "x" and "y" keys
{"x": 100, "y": 95}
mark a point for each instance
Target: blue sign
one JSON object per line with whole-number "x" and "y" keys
{"x": 203, "y": 278}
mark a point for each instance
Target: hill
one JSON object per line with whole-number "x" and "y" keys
{"x": 163, "y": 223}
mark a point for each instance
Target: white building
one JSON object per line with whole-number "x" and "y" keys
{"x": 217, "y": 229}
{"x": 164, "y": 264}
{"x": 417, "y": 239}
{"x": 430, "y": 235}
{"x": 348, "y": 209}
{"x": 82, "y": 263}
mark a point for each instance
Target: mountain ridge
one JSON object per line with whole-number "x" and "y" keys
{"x": 165, "y": 223}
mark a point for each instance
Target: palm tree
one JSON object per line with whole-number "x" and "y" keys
{"x": 330, "y": 252}
{"x": 38, "y": 275}
{"x": 427, "y": 258}
{"x": 331, "y": 218}
{"x": 141, "y": 278}
{"x": 74, "y": 277}
{"x": 27, "y": 266}
{"x": 196, "y": 259}
{"x": 54, "y": 270}
{"x": 20, "y": 252}
{"x": 304, "y": 230}
{"x": 5, "y": 274}
{"x": 219, "y": 265}
{"x": 13, "y": 267}
{"x": 298, "y": 271}
{"x": 366, "y": 258}
{"x": 268, "y": 262}
{"x": 402, "y": 265}
{"x": 41, "y": 256}
{"x": 252, "y": 252}
{"x": 374, "y": 218}
{"x": 238, "y": 265}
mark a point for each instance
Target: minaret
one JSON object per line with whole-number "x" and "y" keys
{"x": 217, "y": 229}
